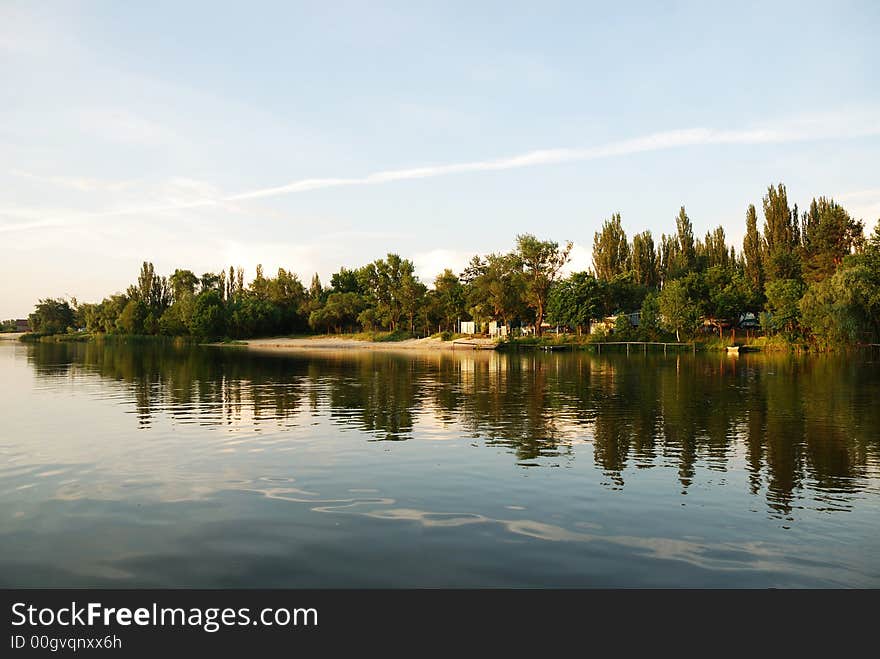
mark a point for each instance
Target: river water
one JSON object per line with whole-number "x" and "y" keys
{"x": 150, "y": 465}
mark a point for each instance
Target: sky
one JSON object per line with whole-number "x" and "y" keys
{"x": 313, "y": 135}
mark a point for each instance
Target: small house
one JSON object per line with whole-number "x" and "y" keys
{"x": 496, "y": 330}
{"x": 748, "y": 320}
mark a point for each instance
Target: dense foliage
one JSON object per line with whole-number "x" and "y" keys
{"x": 812, "y": 277}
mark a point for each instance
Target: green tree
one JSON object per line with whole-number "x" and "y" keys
{"x": 208, "y": 318}
{"x": 109, "y": 312}
{"x": 649, "y": 317}
{"x": 496, "y": 288}
{"x": 622, "y": 293}
{"x": 52, "y": 316}
{"x": 154, "y": 293}
{"x": 713, "y": 250}
{"x": 345, "y": 281}
{"x": 87, "y": 316}
{"x": 541, "y": 262}
{"x": 678, "y": 313}
{"x": 316, "y": 290}
{"x": 183, "y": 284}
{"x": 259, "y": 286}
{"x": 780, "y": 236}
{"x": 174, "y": 321}
{"x": 131, "y": 320}
{"x": 412, "y": 295}
{"x": 340, "y": 312}
{"x": 826, "y": 311}
{"x": 392, "y": 288}
{"x": 845, "y": 308}
{"x": 450, "y": 298}
{"x": 829, "y": 234}
{"x": 622, "y": 327}
{"x": 249, "y": 315}
{"x": 665, "y": 259}
{"x": 682, "y": 253}
{"x": 728, "y": 294}
{"x": 644, "y": 260}
{"x": 783, "y": 305}
{"x": 611, "y": 252}
{"x": 288, "y": 294}
{"x": 753, "y": 258}
{"x": 576, "y": 301}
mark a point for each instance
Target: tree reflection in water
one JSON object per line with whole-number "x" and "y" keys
{"x": 792, "y": 423}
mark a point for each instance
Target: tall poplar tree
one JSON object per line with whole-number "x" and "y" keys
{"x": 644, "y": 260}
{"x": 753, "y": 258}
{"x": 683, "y": 252}
{"x": 610, "y": 249}
{"x": 665, "y": 256}
{"x": 713, "y": 250}
{"x": 781, "y": 238}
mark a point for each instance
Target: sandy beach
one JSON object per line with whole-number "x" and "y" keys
{"x": 11, "y": 336}
{"x": 339, "y": 343}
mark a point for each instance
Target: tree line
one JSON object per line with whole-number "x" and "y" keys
{"x": 809, "y": 276}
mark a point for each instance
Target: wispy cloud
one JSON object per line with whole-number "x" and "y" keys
{"x": 811, "y": 128}
{"x": 192, "y": 194}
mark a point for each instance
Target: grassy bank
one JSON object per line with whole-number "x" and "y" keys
{"x": 703, "y": 343}
{"x": 71, "y": 337}
{"x": 85, "y": 337}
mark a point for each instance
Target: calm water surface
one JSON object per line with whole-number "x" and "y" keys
{"x": 143, "y": 465}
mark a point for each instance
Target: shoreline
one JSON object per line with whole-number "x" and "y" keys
{"x": 325, "y": 342}
{"x": 338, "y": 343}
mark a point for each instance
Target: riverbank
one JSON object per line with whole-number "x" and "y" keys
{"x": 700, "y": 343}
{"x": 339, "y": 343}
{"x": 373, "y": 341}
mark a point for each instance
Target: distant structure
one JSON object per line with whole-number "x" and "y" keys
{"x": 748, "y": 320}
{"x": 608, "y": 323}
{"x": 22, "y": 325}
{"x": 496, "y": 330}
{"x": 468, "y": 327}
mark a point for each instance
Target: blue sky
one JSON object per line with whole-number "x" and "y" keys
{"x": 312, "y": 135}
